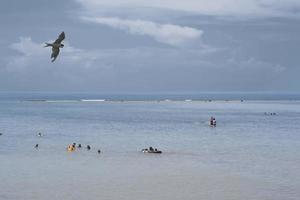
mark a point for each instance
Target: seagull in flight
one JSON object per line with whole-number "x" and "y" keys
{"x": 56, "y": 45}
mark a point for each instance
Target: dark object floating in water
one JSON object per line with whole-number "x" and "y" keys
{"x": 79, "y": 146}
{"x": 1, "y": 134}
{"x": 151, "y": 150}
{"x": 271, "y": 113}
{"x": 99, "y": 151}
{"x": 88, "y": 147}
{"x": 36, "y": 146}
{"x": 40, "y": 134}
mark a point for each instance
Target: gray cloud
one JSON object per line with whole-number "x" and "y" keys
{"x": 165, "y": 33}
{"x": 250, "y": 46}
{"x": 165, "y": 69}
{"x": 250, "y": 8}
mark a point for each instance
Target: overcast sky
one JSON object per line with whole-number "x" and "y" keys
{"x": 141, "y": 46}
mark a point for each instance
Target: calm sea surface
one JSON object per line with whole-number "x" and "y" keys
{"x": 249, "y": 155}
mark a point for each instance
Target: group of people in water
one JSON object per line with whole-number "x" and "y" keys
{"x": 151, "y": 150}
{"x": 72, "y": 147}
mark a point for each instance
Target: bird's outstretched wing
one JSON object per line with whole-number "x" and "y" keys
{"x": 55, "y": 52}
{"x": 60, "y": 38}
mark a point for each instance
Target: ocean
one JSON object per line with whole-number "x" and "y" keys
{"x": 250, "y": 154}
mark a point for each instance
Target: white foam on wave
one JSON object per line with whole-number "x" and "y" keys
{"x": 92, "y": 100}
{"x": 60, "y": 101}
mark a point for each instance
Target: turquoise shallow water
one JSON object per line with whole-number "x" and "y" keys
{"x": 249, "y": 155}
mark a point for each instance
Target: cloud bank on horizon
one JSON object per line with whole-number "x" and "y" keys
{"x": 257, "y": 8}
{"x": 152, "y": 46}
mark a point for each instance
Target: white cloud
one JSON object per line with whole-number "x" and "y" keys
{"x": 254, "y": 64}
{"x": 165, "y": 33}
{"x": 32, "y": 52}
{"x": 28, "y": 48}
{"x": 255, "y": 8}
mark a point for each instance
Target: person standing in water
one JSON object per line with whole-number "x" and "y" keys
{"x": 213, "y": 121}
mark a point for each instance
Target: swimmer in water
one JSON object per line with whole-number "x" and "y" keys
{"x": 99, "y": 151}
{"x": 88, "y": 147}
{"x": 145, "y": 150}
{"x": 151, "y": 149}
{"x": 36, "y": 146}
